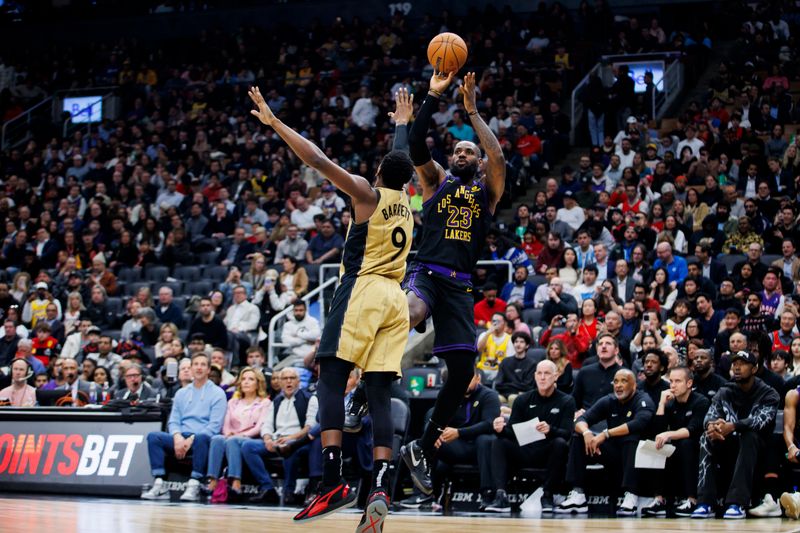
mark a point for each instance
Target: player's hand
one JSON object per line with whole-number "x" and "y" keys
{"x": 467, "y": 90}
{"x": 263, "y": 113}
{"x": 440, "y": 82}
{"x": 404, "y": 107}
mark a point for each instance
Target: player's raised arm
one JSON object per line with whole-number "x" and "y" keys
{"x": 429, "y": 171}
{"x": 404, "y": 109}
{"x": 496, "y": 169}
{"x": 357, "y": 187}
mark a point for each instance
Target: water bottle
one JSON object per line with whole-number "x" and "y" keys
{"x": 105, "y": 393}
{"x": 93, "y": 392}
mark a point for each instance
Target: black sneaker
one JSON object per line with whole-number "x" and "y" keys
{"x": 376, "y": 512}
{"x": 499, "y": 504}
{"x": 356, "y": 409}
{"x": 269, "y": 497}
{"x": 327, "y": 501}
{"x": 657, "y": 508}
{"x": 547, "y": 503}
{"x": 418, "y": 466}
{"x": 419, "y": 501}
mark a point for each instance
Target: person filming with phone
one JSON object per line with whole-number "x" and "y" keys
{"x": 576, "y": 339}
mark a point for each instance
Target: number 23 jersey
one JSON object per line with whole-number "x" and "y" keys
{"x": 455, "y": 221}
{"x": 380, "y": 245}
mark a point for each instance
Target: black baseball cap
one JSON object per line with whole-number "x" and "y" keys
{"x": 747, "y": 357}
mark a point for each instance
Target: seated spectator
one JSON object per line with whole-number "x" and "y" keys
{"x": 233, "y": 279}
{"x": 493, "y": 346}
{"x": 514, "y": 319}
{"x": 292, "y": 414}
{"x": 575, "y": 339}
{"x": 198, "y": 412}
{"x": 100, "y": 275}
{"x": 490, "y": 304}
{"x": 8, "y": 343}
{"x": 258, "y": 272}
{"x": 294, "y": 245}
{"x": 136, "y": 388}
{"x": 106, "y": 358}
{"x": 556, "y": 352}
{"x": 568, "y": 268}
{"x": 245, "y": 415}
{"x": 675, "y": 266}
{"x": 150, "y": 327}
{"x": 747, "y": 406}
{"x": 301, "y": 333}
{"x": 219, "y": 358}
{"x": 551, "y": 254}
{"x": 20, "y": 393}
{"x": 679, "y": 422}
{"x": 519, "y": 290}
{"x": 97, "y": 310}
{"x": 210, "y": 326}
{"x": 627, "y": 413}
{"x": 590, "y": 284}
{"x": 167, "y": 310}
{"x": 36, "y": 304}
{"x": 515, "y": 374}
{"x": 780, "y": 363}
{"x": 558, "y": 302}
{"x": 594, "y": 380}
{"x": 55, "y": 324}
{"x": 242, "y": 319}
{"x": 554, "y": 410}
{"x": 235, "y": 250}
{"x": 325, "y": 247}
{"x": 44, "y": 345}
{"x": 293, "y": 276}
{"x": 76, "y": 342}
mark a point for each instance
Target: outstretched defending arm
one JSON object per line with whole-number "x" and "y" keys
{"x": 429, "y": 171}
{"x": 496, "y": 169}
{"x": 404, "y": 109}
{"x": 357, "y": 187}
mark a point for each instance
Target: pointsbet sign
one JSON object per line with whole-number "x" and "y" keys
{"x": 88, "y": 456}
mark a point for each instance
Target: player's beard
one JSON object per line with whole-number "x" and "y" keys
{"x": 465, "y": 173}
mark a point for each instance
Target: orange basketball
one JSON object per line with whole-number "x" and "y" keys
{"x": 447, "y": 52}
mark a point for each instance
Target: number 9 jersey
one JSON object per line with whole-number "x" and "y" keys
{"x": 380, "y": 245}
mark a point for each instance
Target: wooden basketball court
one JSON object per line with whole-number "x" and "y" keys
{"x": 87, "y": 515}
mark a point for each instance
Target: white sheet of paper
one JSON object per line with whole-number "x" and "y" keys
{"x": 526, "y": 432}
{"x": 648, "y": 456}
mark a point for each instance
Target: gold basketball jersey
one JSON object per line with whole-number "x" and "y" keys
{"x": 380, "y": 245}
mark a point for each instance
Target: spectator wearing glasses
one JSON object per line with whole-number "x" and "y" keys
{"x": 493, "y": 346}
{"x": 558, "y": 301}
{"x": 135, "y": 387}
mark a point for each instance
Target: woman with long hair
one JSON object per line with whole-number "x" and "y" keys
{"x": 557, "y": 353}
{"x": 746, "y": 281}
{"x": 166, "y": 335}
{"x": 20, "y": 286}
{"x": 294, "y": 276}
{"x": 257, "y": 273}
{"x": 694, "y": 330}
{"x": 568, "y": 268}
{"x": 640, "y": 269}
{"x": 696, "y": 209}
{"x": 72, "y": 313}
{"x": 661, "y": 290}
{"x": 676, "y": 324}
{"x": 246, "y": 413}
{"x": 587, "y": 324}
{"x": 795, "y": 353}
{"x": 656, "y": 217}
{"x": 671, "y": 228}
{"x": 514, "y": 316}
{"x": 145, "y": 297}
{"x": 539, "y": 204}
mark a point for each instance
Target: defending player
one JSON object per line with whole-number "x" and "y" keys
{"x": 367, "y": 324}
{"x": 457, "y": 210}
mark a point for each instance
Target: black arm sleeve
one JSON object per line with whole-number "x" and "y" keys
{"x": 419, "y": 130}
{"x": 401, "y": 138}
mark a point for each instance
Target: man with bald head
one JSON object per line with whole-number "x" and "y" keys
{"x": 553, "y": 409}
{"x": 676, "y": 267}
{"x": 627, "y": 414}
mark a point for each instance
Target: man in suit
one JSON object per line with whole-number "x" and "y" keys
{"x": 623, "y": 283}
{"x": 72, "y": 382}
{"x": 135, "y": 387}
{"x": 789, "y": 264}
{"x": 711, "y": 268}
{"x": 235, "y": 251}
{"x": 46, "y": 248}
{"x": 520, "y": 289}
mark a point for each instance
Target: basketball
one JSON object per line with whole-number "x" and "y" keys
{"x": 447, "y": 52}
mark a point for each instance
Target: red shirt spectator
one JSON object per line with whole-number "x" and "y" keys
{"x": 528, "y": 144}
{"x": 575, "y": 339}
{"x": 489, "y": 305}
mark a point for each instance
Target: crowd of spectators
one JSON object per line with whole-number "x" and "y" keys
{"x": 145, "y": 259}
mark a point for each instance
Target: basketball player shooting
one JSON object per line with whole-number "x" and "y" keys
{"x": 367, "y": 324}
{"x": 457, "y": 209}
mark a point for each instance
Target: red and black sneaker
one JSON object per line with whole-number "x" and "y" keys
{"x": 328, "y": 501}
{"x": 375, "y": 513}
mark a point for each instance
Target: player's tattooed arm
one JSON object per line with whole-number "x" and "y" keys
{"x": 496, "y": 169}
{"x": 357, "y": 187}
